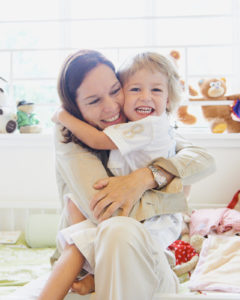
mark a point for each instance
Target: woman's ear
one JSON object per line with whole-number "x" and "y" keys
{"x": 168, "y": 108}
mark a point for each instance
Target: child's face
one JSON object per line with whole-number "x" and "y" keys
{"x": 146, "y": 93}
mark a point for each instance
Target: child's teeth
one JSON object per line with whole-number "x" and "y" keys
{"x": 144, "y": 110}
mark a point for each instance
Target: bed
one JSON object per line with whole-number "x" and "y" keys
{"x": 31, "y": 266}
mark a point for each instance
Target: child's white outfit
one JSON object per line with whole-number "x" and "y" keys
{"x": 139, "y": 143}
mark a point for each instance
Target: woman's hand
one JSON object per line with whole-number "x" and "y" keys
{"x": 120, "y": 192}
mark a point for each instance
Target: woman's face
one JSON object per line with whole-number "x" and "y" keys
{"x": 100, "y": 98}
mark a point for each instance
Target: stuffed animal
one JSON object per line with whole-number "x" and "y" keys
{"x": 26, "y": 118}
{"x": 219, "y": 116}
{"x": 186, "y": 250}
{"x": 175, "y": 56}
{"x": 8, "y": 118}
{"x": 183, "y": 115}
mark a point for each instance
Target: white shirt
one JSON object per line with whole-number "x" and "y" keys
{"x": 139, "y": 143}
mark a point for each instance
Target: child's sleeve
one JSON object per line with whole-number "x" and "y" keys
{"x": 131, "y": 136}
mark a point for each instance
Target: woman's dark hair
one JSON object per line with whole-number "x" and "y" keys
{"x": 73, "y": 71}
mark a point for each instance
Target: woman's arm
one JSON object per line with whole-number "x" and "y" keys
{"x": 190, "y": 164}
{"x": 78, "y": 170}
{"x": 86, "y": 133}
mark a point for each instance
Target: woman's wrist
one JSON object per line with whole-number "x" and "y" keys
{"x": 161, "y": 176}
{"x": 145, "y": 177}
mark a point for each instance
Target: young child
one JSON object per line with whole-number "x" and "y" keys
{"x": 152, "y": 90}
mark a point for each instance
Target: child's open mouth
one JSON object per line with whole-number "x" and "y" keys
{"x": 144, "y": 110}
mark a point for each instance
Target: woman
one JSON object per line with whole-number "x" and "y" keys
{"x": 123, "y": 249}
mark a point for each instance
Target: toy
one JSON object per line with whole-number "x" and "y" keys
{"x": 26, "y": 118}
{"x": 175, "y": 56}
{"x": 182, "y": 113}
{"x": 219, "y": 116}
{"x": 8, "y": 118}
{"x": 186, "y": 257}
{"x": 186, "y": 250}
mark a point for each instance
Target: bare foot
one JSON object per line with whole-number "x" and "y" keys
{"x": 74, "y": 214}
{"x": 84, "y": 286}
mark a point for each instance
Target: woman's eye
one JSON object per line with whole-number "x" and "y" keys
{"x": 94, "y": 101}
{"x": 115, "y": 91}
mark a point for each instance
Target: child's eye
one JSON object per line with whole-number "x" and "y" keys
{"x": 135, "y": 89}
{"x": 115, "y": 91}
{"x": 156, "y": 90}
{"x": 94, "y": 101}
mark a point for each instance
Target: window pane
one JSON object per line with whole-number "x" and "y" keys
{"x": 44, "y": 114}
{"x": 210, "y": 61}
{"x": 192, "y": 8}
{"x": 109, "y": 8}
{"x": 40, "y": 92}
{"x": 5, "y": 65}
{"x": 28, "y": 10}
{"x": 109, "y": 33}
{"x": 37, "y": 64}
{"x": 193, "y": 31}
{"x": 30, "y": 35}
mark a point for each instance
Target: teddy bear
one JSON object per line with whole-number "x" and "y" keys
{"x": 221, "y": 117}
{"x": 26, "y": 118}
{"x": 8, "y": 119}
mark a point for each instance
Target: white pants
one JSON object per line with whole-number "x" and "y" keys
{"x": 126, "y": 262}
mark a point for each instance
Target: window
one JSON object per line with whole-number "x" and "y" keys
{"x": 36, "y": 36}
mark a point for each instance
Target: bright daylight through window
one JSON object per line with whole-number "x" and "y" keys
{"x": 37, "y": 35}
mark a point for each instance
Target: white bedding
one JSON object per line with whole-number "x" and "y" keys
{"x": 31, "y": 291}
{"x": 218, "y": 268}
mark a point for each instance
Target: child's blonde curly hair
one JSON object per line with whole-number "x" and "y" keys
{"x": 154, "y": 62}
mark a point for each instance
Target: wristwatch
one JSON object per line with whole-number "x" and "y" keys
{"x": 158, "y": 176}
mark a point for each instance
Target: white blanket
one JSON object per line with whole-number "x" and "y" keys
{"x": 218, "y": 268}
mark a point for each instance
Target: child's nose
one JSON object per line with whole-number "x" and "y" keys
{"x": 146, "y": 95}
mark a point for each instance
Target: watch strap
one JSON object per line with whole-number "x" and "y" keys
{"x": 158, "y": 176}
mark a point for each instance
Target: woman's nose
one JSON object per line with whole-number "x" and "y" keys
{"x": 109, "y": 104}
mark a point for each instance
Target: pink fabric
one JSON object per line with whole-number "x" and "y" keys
{"x": 203, "y": 221}
{"x": 230, "y": 221}
{"x": 220, "y": 220}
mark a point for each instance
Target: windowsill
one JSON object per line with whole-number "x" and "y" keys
{"x": 45, "y": 139}
{"x": 32, "y": 140}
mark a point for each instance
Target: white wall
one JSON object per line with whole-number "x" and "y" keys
{"x": 27, "y": 168}
{"x": 219, "y": 187}
{"x": 28, "y": 171}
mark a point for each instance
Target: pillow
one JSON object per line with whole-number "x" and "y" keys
{"x": 41, "y": 230}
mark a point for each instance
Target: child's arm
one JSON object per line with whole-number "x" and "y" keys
{"x": 88, "y": 134}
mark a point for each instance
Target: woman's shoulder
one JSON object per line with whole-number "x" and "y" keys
{"x": 66, "y": 149}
